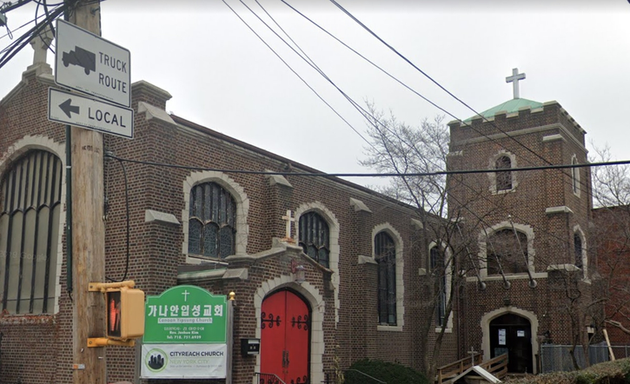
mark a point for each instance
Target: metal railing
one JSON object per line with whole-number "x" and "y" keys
{"x": 267, "y": 378}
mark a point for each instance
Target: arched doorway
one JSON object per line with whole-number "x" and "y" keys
{"x": 285, "y": 326}
{"x": 512, "y": 334}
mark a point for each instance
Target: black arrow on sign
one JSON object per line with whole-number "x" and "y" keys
{"x": 67, "y": 108}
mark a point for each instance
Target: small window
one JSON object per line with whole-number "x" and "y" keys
{"x": 577, "y": 247}
{"x": 385, "y": 255}
{"x": 504, "y": 173}
{"x": 212, "y": 221}
{"x": 507, "y": 252}
{"x": 438, "y": 270}
{"x": 314, "y": 237}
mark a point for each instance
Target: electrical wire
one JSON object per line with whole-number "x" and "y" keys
{"x": 17, "y": 29}
{"x": 385, "y": 137}
{"x": 49, "y": 23}
{"x": 23, "y": 40}
{"x": 375, "y": 122}
{"x": 9, "y": 7}
{"x": 444, "y": 89}
{"x": 372, "y": 63}
{"x": 412, "y": 174}
{"x": 364, "y": 113}
{"x": 328, "y": 175}
{"x": 570, "y": 182}
{"x": 294, "y": 72}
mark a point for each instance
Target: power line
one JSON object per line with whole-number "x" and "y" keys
{"x": 295, "y": 73}
{"x": 448, "y": 92}
{"x": 23, "y": 40}
{"x": 414, "y": 174}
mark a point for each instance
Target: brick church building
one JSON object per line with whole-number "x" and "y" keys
{"x": 361, "y": 253}
{"x": 224, "y": 232}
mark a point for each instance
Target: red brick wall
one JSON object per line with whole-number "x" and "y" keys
{"x": 610, "y": 240}
{"x": 33, "y": 349}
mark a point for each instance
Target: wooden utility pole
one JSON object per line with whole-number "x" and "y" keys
{"x": 88, "y": 239}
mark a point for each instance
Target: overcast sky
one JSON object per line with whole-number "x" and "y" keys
{"x": 222, "y": 76}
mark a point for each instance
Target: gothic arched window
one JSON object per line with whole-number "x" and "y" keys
{"x": 314, "y": 237}
{"x": 385, "y": 256}
{"x": 212, "y": 221}
{"x": 503, "y": 165}
{"x": 30, "y": 209}
{"x": 507, "y": 252}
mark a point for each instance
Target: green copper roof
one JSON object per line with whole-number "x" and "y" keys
{"x": 510, "y": 106}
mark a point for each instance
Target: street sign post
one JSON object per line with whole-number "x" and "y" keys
{"x": 81, "y": 111}
{"x": 88, "y": 63}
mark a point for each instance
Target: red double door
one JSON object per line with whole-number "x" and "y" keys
{"x": 285, "y": 337}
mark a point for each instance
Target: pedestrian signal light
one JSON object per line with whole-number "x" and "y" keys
{"x": 125, "y": 313}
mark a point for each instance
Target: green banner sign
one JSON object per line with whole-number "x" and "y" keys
{"x": 185, "y": 314}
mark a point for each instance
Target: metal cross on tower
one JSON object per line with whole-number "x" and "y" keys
{"x": 514, "y": 79}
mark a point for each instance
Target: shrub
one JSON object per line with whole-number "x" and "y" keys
{"x": 391, "y": 373}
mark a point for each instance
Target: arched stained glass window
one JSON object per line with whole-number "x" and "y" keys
{"x": 385, "y": 256}
{"x": 314, "y": 237}
{"x": 212, "y": 221}
{"x": 30, "y": 209}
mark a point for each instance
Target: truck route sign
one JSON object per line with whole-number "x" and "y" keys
{"x": 88, "y": 63}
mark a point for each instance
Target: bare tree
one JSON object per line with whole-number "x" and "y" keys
{"x": 399, "y": 148}
{"x": 611, "y": 241}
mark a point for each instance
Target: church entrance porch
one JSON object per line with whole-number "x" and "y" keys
{"x": 285, "y": 336}
{"x": 512, "y": 334}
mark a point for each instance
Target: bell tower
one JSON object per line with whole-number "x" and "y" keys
{"x": 523, "y": 227}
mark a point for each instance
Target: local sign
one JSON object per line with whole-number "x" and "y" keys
{"x": 88, "y": 63}
{"x": 186, "y": 314}
{"x": 81, "y": 111}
